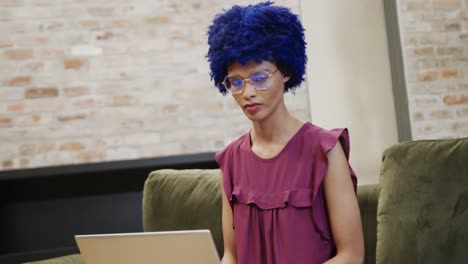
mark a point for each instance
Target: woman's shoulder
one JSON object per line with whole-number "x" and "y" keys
{"x": 320, "y": 132}
{"x": 324, "y": 137}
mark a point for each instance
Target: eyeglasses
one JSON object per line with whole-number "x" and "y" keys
{"x": 260, "y": 80}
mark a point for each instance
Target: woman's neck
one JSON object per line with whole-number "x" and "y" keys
{"x": 277, "y": 128}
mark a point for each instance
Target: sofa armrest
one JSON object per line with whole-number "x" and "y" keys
{"x": 183, "y": 200}
{"x": 368, "y": 197}
{"x": 69, "y": 259}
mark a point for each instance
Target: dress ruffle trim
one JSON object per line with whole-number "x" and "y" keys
{"x": 295, "y": 197}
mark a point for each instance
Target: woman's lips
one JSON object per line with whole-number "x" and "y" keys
{"x": 252, "y": 108}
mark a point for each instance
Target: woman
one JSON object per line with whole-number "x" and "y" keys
{"x": 288, "y": 190}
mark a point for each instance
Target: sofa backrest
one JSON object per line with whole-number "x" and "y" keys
{"x": 422, "y": 210}
{"x": 183, "y": 200}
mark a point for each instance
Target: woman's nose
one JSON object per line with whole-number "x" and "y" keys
{"x": 249, "y": 90}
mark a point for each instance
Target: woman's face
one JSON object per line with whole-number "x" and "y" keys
{"x": 259, "y": 104}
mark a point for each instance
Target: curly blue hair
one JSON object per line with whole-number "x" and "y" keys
{"x": 259, "y": 32}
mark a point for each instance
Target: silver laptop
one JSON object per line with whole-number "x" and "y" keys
{"x": 172, "y": 247}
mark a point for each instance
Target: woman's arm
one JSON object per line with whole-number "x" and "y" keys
{"x": 228, "y": 231}
{"x": 343, "y": 209}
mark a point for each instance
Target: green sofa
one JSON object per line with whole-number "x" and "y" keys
{"x": 417, "y": 214}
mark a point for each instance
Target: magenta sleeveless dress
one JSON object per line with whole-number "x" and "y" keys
{"x": 279, "y": 208}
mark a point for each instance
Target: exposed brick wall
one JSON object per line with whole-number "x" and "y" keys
{"x": 435, "y": 46}
{"x": 87, "y": 81}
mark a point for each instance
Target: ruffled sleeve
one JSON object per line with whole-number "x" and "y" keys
{"x": 327, "y": 141}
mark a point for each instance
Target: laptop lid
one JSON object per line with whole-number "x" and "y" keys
{"x": 171, "y": 247}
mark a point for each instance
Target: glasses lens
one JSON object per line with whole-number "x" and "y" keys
{"x": 235, "y": 84}
{"x": 260, "y": 79}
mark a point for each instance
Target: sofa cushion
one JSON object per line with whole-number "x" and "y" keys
{"x": 422, "y": 211}
{"x": 183, "y": 200}
{"x": 69, "y": 259}
{"x": 368, "y": 196}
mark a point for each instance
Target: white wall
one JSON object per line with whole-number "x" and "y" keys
{"x": 349, "y": 78}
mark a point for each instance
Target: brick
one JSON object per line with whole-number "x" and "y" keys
{"x": 122, "y": 153}
{"x": 450, "y": 74}
{"x": 28, "y": 120}
{"x": 170, "y": 108}
{"x": 452, "y": 51}
{"x": 446, "y": 4}
{"x": 120, "y": 24}
{"x": 432, "y": 17}
{"x": 18, "y": 54}
{"x": 23, "y": 163}
{"x": 43, "y": 2}
{"x": 84, "y": 103}
{"x": 460, "y": 128}
{"x": 90, "y": 156}
{"x": 463, "y": 113}
{"x": 418, "y": 27}
{"x": 11, "y": 94}
{"x": 10, "y": 3}
{"x": 90, "y": 24}
{"x": 105, "y": 36}
{"x": 48, "y": 53}
{"x": 5, "y": 122}
{"x": 132, "y": 124}
{"x": 427, "y": 129}
{"x": 33, "y": 93}
{"x": 158, "y": 20}
{"x": 452, "y": 27}
{"x": 211, "y": 107}
{"x": 123, "y": 100}
{"x": 427, "y": 76}
{"x": 114, "y": 49}
{"x": 417, "y": 52}
{"x": 20, "y": 81}
{"x": 101, "y": 11}
{"x": 51, "y": 104}
{"x": 433, "y": 38}
{"x": 426, "y": 102}
{"x": 33, "y": 67}
{"x": 54, "y": 26}
{"x": 5, "y": 42}
{"x": 7, "y": 164}
{"x": 76, "y": 90}
{"x": 455, "y": 100}
{"x": 142, "y": 139}
{"x": 16, "y": 107}
{"x": 71, "y": 146}
{"x": 36, "y": 118}
{"x": 86, "y": 50}
{"x": 441, "y": 114}
{"x": 68, "y": 118}
{"x": 35, "y": 148}
{"x": 463, "y": 37}
{"x": 28, "y": 41}
{"x": 73, "y": 64}
{"x": 418, "y": 116}
{"x": 417, "y": 5}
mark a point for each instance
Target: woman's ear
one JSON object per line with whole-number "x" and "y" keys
{"x": 286, "y": 78}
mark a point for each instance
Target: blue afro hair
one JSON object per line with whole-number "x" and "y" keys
{"x": 260, "y": 32}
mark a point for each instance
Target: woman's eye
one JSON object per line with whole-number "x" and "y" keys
{"x": 237, "y": 82}
{"x": 259, "y": 77}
